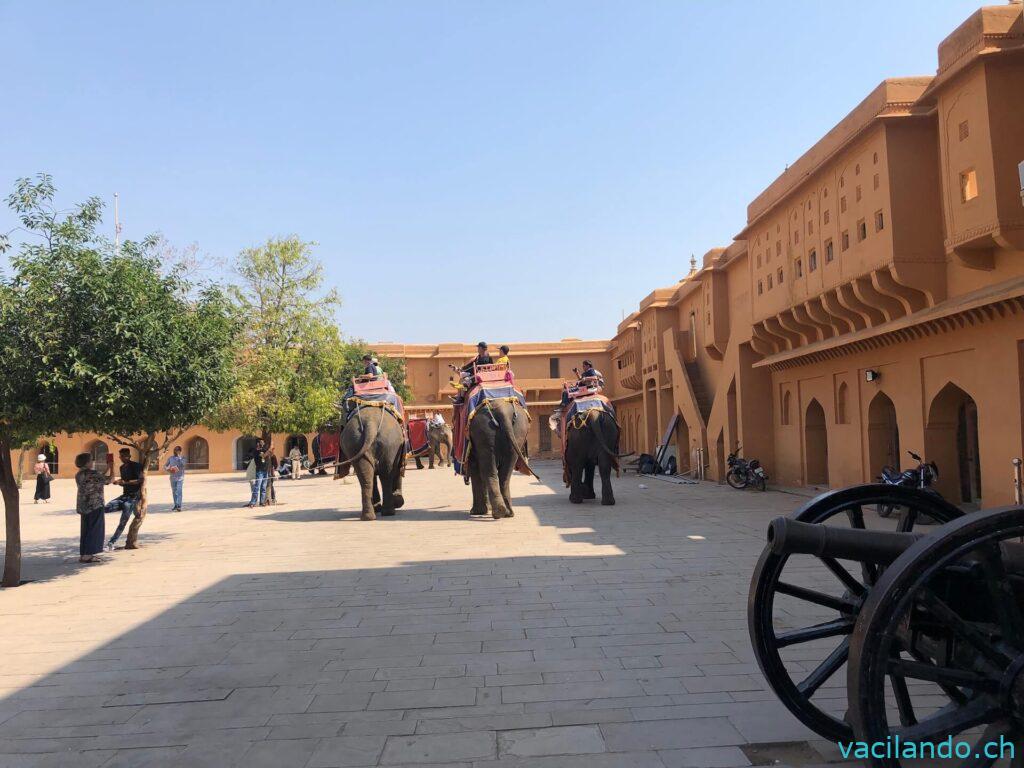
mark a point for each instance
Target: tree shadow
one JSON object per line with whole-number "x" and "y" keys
{"x": 57, "y": 558}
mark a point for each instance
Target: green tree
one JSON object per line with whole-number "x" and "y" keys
{"x": 100, "y": 341}
{"x": 291, "y": 352}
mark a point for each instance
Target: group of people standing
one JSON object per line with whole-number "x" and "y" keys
{"x": 91, "y": 508}
{"x": 262, "y": 467}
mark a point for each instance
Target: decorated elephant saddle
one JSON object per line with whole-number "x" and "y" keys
{"x": 417, "y": 443}
{"x": 576, "y": 413}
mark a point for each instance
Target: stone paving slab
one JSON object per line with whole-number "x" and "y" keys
{"x": 296, "y": 635}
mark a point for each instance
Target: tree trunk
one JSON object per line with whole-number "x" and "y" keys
{"x": 147, "y": 450}
{"x": 12, "y": 516}
{"x": 19, "y": 473}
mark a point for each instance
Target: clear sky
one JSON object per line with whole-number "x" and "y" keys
{"x": 512, "y": 170}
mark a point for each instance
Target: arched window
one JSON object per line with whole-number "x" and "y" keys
{"x": 786, "y": 400}
{"x": 98, "y": 450}
{"x": 197, "y": 454}
{"x": 244, "y": 446}
{"x": 841, "y": 397}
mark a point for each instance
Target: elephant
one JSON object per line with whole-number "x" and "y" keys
{"x": 438, "y": 435}
{"x": 497, "y": 435}
{"x": 376, "y": 444}
{"x": 594, "y": 443}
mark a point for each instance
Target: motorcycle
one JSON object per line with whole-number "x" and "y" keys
{"x": 743, "y": 472}
{"x": 922, "y": 477}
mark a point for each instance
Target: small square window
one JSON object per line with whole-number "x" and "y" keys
{"x": 796, "y": 236}
{"x": 964, "y": 131}
{"x": 874, "y": 159}
{"x": 798, "y": 267}
{"x": 829, "y": 251}
{"x": 760, "y": 288}
{"x": 759, "y": 261}
{"x": 845, "y": 240}
{"x": 879, "y": 221}
{"x": 842, "y": 182}
{"x": 968, "y": 185}
{"x": 862, "y": 231}
{"x": 810, "y": 227}
{"x": 808, "y": 205}
{"x": 874, "y": 182}
{"x": 812, "y": 260}
{"x": 779, "y": 275}
{"x": 778, "y": 247}
{"x": 827, "y": 216}
{"x": 769, "y": 282}
{"x": 842, "y": 204}
{"x": 858, "y": 193}
{"x": 856, "y": 170}
{"x": 824, "y": 192}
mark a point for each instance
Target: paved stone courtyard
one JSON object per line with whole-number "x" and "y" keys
{"x": 297, "y": 635}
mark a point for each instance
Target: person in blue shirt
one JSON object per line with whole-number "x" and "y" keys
{"x": 175, "y": 468}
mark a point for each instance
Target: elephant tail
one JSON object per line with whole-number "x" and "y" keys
{"x": 367, "y": 442}
{"x": 599, "y": 438}
{"x": 505, "y": 423}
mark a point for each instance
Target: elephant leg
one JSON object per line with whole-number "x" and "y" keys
{"x": 488, "y": 464}
{"x": 479, "y": 497}
{"x": 419, "y": 464}
{"x": 397, "y": 498}
{"x": 448, "y": 452}
{"x": 575, "y": 482}
{"x": 387, "y": 507}
{"x": 505, "y": 483}
{"x": 368, "y": 487}
{"x": 605, "y": 467}
{"x": 430, "y": 453}
{"x": 588, "y": 481}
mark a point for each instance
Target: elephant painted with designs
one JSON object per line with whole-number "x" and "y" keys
{"x": 497, "y": 435}
{"x": 591, "y": 444}
{"x": 373, "y": 444}
{"x": 438, "y": 435}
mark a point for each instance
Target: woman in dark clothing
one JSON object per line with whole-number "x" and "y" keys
{"x": 90, "y": 506}
{"x": 43, "y": 477}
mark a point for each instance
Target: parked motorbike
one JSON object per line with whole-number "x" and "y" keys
{"x": 743, "y": 472}
{"x": 922, "y": 477}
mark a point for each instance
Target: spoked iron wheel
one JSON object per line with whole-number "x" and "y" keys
{"x": 802, "y": 609}
{"x": 944, "y": 628}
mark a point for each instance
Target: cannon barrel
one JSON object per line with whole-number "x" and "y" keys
{"x": 791, "y": 537}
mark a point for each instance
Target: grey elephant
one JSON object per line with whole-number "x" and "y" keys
{"x": 438, "y": 435}
{"x": 591, "y": 443}
{"x": 373, "y": 445}
{"x": 497, "y": 435}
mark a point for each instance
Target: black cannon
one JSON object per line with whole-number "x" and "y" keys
{"x": 929, "y": 625}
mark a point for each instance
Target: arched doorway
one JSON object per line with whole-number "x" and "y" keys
{"x": 52, "y": 457}
{"x": 300, "y": 440}
{"x": 951, "y": 441}
{"x": 98, "y": 450}
{"x": 197, "y": 453}
{"x": 815, "y": 445}
{"x": 244, "y": 446}
{"x": 650, "y": 417}
{"x": 685, "y": 460}
{"x": 883, "y": 435}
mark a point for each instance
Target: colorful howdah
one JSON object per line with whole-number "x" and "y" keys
{"x": 417, "y": 443}
{"x": 387, "y": 399}
{"x": 476, "y": 401}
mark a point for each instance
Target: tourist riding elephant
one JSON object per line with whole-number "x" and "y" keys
{"x": 438, "y": 435}
{"x": 591, "y": 442}
{"x": 373, "y": 444}
{"x": 497, "y": 435}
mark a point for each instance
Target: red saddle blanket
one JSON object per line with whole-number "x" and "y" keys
{"x": 418, "y": 443}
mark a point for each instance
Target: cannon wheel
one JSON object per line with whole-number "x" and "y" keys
{"x": 979, "y": 666}
{"x": 846, "y": 507}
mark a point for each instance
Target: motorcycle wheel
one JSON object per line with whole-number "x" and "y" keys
{"x": 760, "y": 483}
{"x": 736, "y": 479}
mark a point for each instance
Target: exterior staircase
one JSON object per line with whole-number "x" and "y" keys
{"x": 700, "y": 392}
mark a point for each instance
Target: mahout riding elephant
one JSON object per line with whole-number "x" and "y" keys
{"x": 591, "y": 442}
{"x": 373, "y": 444}
{"x": 497, "y": 435}
{"x": 438, "y": 435}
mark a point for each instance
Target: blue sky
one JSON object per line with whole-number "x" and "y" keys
{"x": 514, "y": 171}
